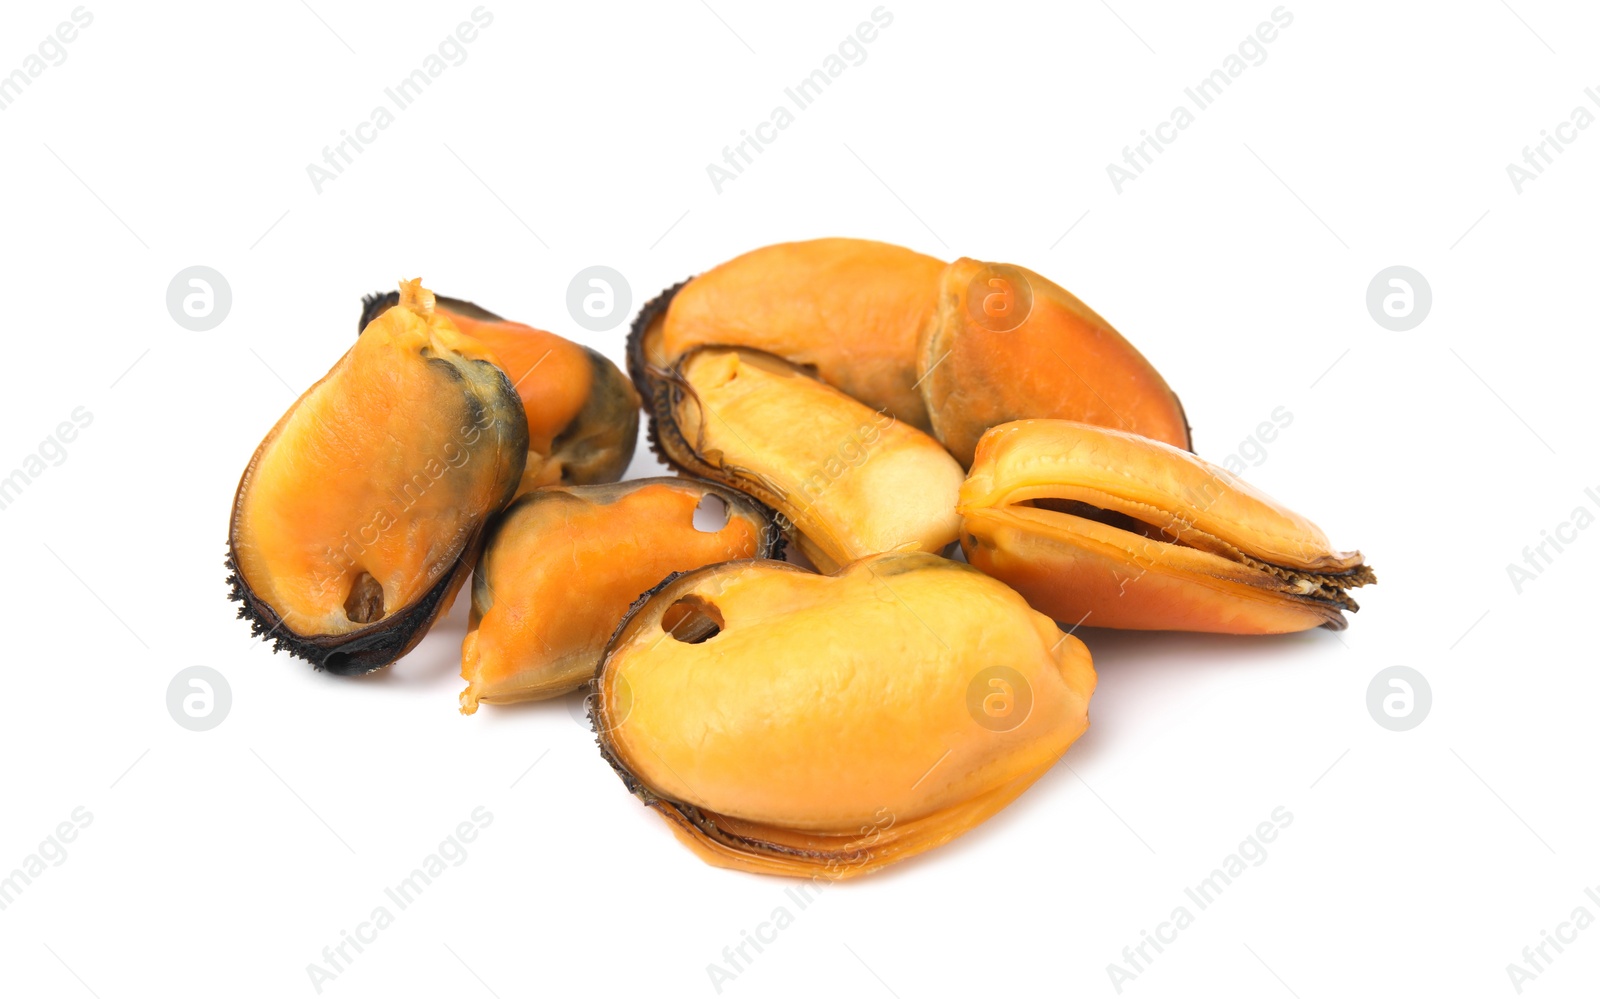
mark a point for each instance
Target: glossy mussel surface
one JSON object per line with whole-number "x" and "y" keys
{"x": 1109, "y": 529}
{"x": 848, "y": 481}
{"x": 360, "y": 515}
{"x": 785, "y": 722}
{"x": 563, "y": 564}
{"x": 583, "y": 414}
{"x": 947, "y": 348}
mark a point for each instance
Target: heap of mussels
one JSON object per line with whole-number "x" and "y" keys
{"x": 808, "y": 685}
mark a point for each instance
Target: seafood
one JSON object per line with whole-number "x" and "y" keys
{"x": 360, "y": 515}
{"x": 784, "y": 722}
{"x": 583, "y": 414}
{"x": 951, "y": 349}
{"x": 848, "y": 481}
{"x": 563, "y": 564}
{"x": 1105, "y": 528}
{"x": 1008, "y": 345}
{"x": 849, "y": 311}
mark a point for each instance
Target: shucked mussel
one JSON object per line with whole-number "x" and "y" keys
{"x": 849, "y": 310}
{"x": 583, "y": 414}
{"x": 952, "y": 349}
{"x": 361, "y": 513}
{"x": 1099, "y": 527}
{"x": 563, "y": 564}
{"x": 848, "y": 481}
{"x": 1008, "y": 344}
{"x": 784, "y": 722}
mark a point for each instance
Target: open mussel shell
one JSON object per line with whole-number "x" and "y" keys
{"x": 785, "y": 722}
{"x": 1110, "y": 529}
{"x": 563, "y": 564}
{"x": 583, "y": 413}
{"x": 848, "y": 481}
{"x": 361, "y": 513}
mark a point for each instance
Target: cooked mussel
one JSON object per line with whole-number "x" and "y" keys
{"x": 784, "y": 722}
{"x": 563, "y": 564}
{"x": 1008, "y": 345}
{"x": 949, "y": 348}
{"x": 360, "y": 514}
{"x": 583, "y": 414}
{"x": 848, "y": 310}
{"x": 848, "y": 481}
{"x": 1105, "y": 528}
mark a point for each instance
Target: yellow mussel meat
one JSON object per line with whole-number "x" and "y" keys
{"x": 360, "y": 515}
{"x": 849, "y": 481}
{"x": 1110, "y": 529}
{"x": 784, "y": 722}
{"x": 563, "y": 564}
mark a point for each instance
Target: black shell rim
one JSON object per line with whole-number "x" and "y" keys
{"x": 638, "y": 364}
{"x": 669, "y": 444}
{"x": 383, "y": 642}
{"x": 657, "y": 393}
{"x": 654, "y": 391}
{"x": 359, "y": 652}
{"x": 681, "y": 813}
{"x": 634, "y": 785}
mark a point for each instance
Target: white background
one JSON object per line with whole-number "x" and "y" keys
{"x": 223, "y": 862}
